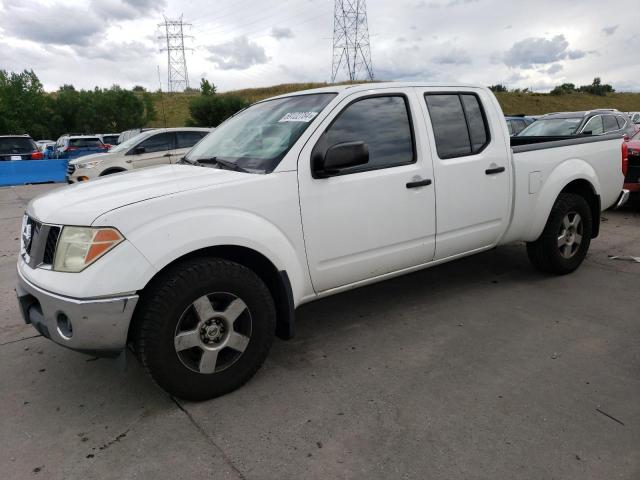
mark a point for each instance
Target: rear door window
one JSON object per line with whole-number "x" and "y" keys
{"x": 610, "y": 123}
{"x": 459, "y": 124}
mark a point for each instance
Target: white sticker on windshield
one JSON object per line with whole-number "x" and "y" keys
{"x": 298, "y": 117}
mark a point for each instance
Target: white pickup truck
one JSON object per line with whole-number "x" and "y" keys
{"x": 197, "y": 266}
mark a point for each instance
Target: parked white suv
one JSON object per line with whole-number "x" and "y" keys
{"x": 198, "y": 265}
{"x": 154, "y": 147}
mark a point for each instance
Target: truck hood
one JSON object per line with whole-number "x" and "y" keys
{"x": 82, "y": 203}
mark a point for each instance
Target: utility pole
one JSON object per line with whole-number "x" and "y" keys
{"x": 177, "y": 75}
{"x": 351, "y": 48}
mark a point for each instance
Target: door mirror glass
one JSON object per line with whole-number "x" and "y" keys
{"x": 341, "y": 156}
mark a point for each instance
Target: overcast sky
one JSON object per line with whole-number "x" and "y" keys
{"x": 245, "y": 43}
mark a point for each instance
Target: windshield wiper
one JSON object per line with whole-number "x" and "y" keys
{"x": 184, "y": 160}
{"x": 231, "y": 165}
{"x": 227, "y": 164}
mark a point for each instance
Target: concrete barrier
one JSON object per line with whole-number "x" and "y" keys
{"x": 21, "y": 172}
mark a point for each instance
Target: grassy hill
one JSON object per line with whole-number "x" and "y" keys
{"x": 176, "y": 105}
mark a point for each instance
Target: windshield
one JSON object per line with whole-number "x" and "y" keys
{"x": 259, "y": 137}
{"x": 551, "y": 127}
{"x": 124, "y": 146}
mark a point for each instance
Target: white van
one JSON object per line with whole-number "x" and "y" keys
{"x": 159, "y": 146}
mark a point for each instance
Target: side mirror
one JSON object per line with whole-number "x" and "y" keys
{"x": 139, "y": 150}
{"x": 587, "y": 132}
{"x": 341, "y": 156}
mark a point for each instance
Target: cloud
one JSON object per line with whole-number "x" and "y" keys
{"x": 53, "y": 24}
{"x": 61, "y": 24}
{"x": 555, "y": 68}
{"x": 455, "y": 56}
{"x": 237, "y": 54}
{"x": 450, "y": 3}
{"x": 536, "y": 51}
{"x": 116, "y": 51}
{"x": 126, "y": 9}
{"x": 533, "y": 51}
{"x": 608, "y": 31}
{"x": 280, "y": 33}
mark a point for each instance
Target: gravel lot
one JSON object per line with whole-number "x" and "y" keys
{"x": 480, "y": 369}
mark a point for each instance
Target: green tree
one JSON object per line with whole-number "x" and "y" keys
{"x": 597, "y": 88}
{"x": 498, "y": 88}
{"x": 24, "y": 106}
{"x": 212, "y": 110}
{"x": 207, "y": 88}
{"x": 564, "y": 89}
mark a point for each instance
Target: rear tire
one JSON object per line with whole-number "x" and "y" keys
{"x": 565, "y": 240}
{"x": 204, "y": 328}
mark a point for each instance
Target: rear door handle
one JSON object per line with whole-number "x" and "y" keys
{"x": 494, "y": 170}
{"x": 419, "y": 183}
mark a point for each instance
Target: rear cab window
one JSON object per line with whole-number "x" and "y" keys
{"x": 16, "y": 145}
{"x": 459, "y": 123}
{"x": 85, "y": 142}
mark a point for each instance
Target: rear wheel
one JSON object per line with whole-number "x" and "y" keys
{"x": 205, "y": 328}
{"x": 564, "y": 243}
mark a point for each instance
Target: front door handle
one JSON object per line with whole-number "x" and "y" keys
{"x": 166, "y": 155}
{"x": 494, "y": 170}
{"x": 419, "y": 183}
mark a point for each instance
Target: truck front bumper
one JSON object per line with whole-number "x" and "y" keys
{"x": 97, "y": 326}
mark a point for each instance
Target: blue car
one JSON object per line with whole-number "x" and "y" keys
{"x": 73, "y": 146}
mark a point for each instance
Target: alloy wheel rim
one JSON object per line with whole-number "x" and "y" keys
{"x": 213, "y": 332}
{"x": 570, "y": 235}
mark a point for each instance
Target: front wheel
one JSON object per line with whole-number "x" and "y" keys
{"x": 565, "y": 240}
{"x": 204, "y": 328}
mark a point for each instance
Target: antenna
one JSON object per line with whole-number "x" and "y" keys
{"x": 177, "y": 75}
{"x": 164, "y": 115}
{"x": 351, "y": 48}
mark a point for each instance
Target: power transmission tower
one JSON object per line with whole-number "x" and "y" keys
{"x": 177, "y": 75}
{"x": 351, "y": 48}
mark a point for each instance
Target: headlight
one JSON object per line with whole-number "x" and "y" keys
{"x": 88, "y": 164}
{"x": 79, "y": 247}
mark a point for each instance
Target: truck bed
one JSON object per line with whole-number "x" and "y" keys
{"x": 527, "y": 144}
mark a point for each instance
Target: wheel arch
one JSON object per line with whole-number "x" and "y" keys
{"x": 111, "y": 170}
{"x": 586, "y": 190}
{"x": 277, "y": 281}
{"x": 572, "y": 176}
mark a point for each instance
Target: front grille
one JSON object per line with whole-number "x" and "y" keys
{"x": 633, "y": 172}
{"x": 50, "y": 246}
{"x": 39, "y": 242}
{"x": 70, "y": 169}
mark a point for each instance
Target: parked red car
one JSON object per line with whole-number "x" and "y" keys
{"x": 632, "y": 170}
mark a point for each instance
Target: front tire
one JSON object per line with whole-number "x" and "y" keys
{"x": 204, "y": 328}
{"x": 566, "y": 237}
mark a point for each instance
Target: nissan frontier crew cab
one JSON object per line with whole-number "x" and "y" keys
{"x": 197, "y": 266}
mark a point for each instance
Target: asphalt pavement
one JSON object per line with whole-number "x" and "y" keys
{"x": 478, "y": 369}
